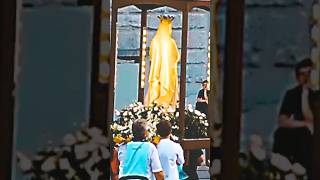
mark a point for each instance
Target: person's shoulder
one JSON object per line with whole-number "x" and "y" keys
{"x": 175, "y": 144}
{"x": 152, "y": 146}
{"x": 293, "y": 90}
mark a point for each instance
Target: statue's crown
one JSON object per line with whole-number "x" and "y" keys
{"x": 166, "y": 18}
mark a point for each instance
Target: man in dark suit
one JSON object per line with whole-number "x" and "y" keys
{"x": 202, "y": 99}
{"x": 293, "y": 137}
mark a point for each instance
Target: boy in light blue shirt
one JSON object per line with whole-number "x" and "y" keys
{"x": 139, "y": 158}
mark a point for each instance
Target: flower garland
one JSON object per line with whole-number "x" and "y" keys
{"x": 257, "y": 164}
{"x": 83, "y": 155}
{"x": 196, "y": 122}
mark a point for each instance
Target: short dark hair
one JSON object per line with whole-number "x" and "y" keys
{"x": 139, "y": 128}
{"x": 307, "y": 62}
{"x": 164, "y": 128}
{"x": 205, "y": 81}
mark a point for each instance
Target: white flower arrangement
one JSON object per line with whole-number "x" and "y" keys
{"x": 195, "y": 121}
{"x": 82, "y": 155}
{"x": 258, "y": 164}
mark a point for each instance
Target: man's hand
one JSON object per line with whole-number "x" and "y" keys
{"x": 310, "y": 127}
{"x": 159, "y": 175}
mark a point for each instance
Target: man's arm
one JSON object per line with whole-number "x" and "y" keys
{"x": 286, "y": 122}
{"x": 201, "y": 100}
{"x": 285, "y": 118}
{"x": 180, "y": 156}
{"x": 155, "y": 163}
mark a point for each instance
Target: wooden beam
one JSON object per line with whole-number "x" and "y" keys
{"x": 143, "y": 25}
{"x": 232, "y": 90}
{"x": 7, "y": 56}
{"x": 176, "y": 4}
{"x": 316, "y": 142}
{"x": 215, "y": 103}
{"x": 96, "y": 113}
{"x": 191, "y": 144}
{"x": 183, "y": 69}
{"x": 113, "y": 57}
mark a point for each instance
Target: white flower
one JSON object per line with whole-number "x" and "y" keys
{"x": 94, "y": 175}
{"x": 48, "y": 164}
{"x": 167, "y": 118}
{"x": 198, "y": 113}
{"x": 71, "y": 173}
{"x": 117, "y": 112}
{"x": 203, "y": 115}
{"x": 64, "y": 164}
{"x": 88, "y": 165}
{"x": 256, "y": 140}
{"x": 190, "y": 106}
{"x": 139, "y": 104}
{"x": 94, "y": 131}
{"x": 177, "y": 114}
{"x": 105, "y": 152}
{"x": 280, "y": 162}
{"x": 135, "y": 109}
{"x": 91, "y": 146}
{"x": 80, "y": 151}
{"x": 298, "y": 169}
{"x": 156, "y": 108}
{"x": 215, "y": 169}
{"x": 259, "y": 153}
{"x": 125, "y": 113}
{"x": 290, "y": 176}
{"x": 315, "y": 54}
{"x": 101, "y": 140}
{"x": 38, "y": 157}
{"x": 95, "y": 156}
{"x": 315, "y": 33}
{"x": 206, "y": 124}
{"x": 316, "y": 12}
{"x": 121, "y": 128}
{"x": 69, "y": 139}
{"x": 24, "y": 162}
{"x": 131, "y": 106}
{"x": 81, "y": 137}
{"x": 175, "y": 127}
{"x": 175, "y": 138}
{"x": 171, "y": 109}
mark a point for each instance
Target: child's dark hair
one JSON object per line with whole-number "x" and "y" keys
{"x": 164, "y": 128}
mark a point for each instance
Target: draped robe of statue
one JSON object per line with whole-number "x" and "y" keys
{"x": 163, "y": 75}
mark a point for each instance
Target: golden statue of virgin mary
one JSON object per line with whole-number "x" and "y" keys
{"x": 163, "y": 75}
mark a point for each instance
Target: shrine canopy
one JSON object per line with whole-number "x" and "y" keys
{"x": 185, "y": 6}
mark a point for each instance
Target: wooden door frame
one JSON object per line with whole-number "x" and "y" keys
{"x": 7, "y": 58}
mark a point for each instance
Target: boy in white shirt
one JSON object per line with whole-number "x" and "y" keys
{"x": 170, "y": 153}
